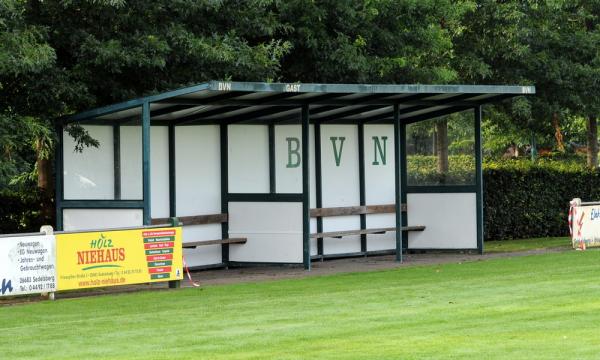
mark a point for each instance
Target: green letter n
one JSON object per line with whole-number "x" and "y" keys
{"x": 378, "y": 149}
{"x": 293, "y": 150}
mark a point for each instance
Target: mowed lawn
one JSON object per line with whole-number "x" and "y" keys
{"x": 535, "y": 307}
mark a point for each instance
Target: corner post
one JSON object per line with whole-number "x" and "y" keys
{"x": 397, "y": 201}
{"x": 305, "y": 187}
{"x": 172, "y": 174}
{"x": 146, "y": 162}
{"x": 361, "y": 182}
{"x": 479, "y": 178}
{"x": 224, "y": 190}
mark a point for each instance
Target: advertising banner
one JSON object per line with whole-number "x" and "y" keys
{"x": 585, "y": 224}
{"x": 27, "y": 265}
{"x": 120, "y": 257}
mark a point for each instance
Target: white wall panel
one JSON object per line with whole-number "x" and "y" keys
{"x": 159, "y": 171}
{"x": 131, "y": 162}
{"x": 197, "y": 170}
{"x": 131, "y": 167}
{"x": 89, "y": 174}
{"x": 340, "y": 185}
{"x": 380, "y": 183}
{"x": 198, "y": 187}
{"x": 289, "y": 179}
{"x": 202, "y": 255}
{"x": 450, "y": 220}
{"x": 274, "y": 231}
{"x": 85, "y": 219}
{"x": 248, "y": 157}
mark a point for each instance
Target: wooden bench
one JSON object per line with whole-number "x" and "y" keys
{"x": 359, "y": 210}
{"x": 203, "y": 220}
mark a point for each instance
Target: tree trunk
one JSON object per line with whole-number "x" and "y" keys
{"x": 592, "y": 142}
{"x": 44, "y": 168}
{"x": 45, "y": 184}
{"x": 557, "y": 133}
{"x": 441, "y": 145}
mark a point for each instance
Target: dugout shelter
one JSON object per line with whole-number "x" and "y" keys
{"x": 265, "y": 173}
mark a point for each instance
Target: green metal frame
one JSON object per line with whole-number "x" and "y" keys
{"x": 224, "y": 142}
{"x": 398, "y": 157}
{"x": 305, "y": 187}
{"x": 361, "y": 183}
{"x": 146, "y": 174}
{"x": 172, "y": 173}
{"x": 117, "y": 161}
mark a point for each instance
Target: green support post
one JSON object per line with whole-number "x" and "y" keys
{"x": 361, "y": 182}
{"x": 146, "y": 162}
{"x": 305, "y": 188}
{"x": 397, "y": 160}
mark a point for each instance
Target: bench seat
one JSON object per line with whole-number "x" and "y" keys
{"x": 194, "y": 244}
{"x": 339, "y": 234}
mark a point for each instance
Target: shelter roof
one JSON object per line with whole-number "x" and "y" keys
{"x": 256, "y": 102}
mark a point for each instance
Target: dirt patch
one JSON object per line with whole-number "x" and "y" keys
{"x": 338, "y": 266}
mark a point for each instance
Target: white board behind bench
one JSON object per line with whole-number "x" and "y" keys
{"x": 451, "y": 221}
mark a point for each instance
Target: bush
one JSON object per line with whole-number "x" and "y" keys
{"x": 23, "y": 212}
{"x": 524, "y": 199}
{"x": 422, "y": 170}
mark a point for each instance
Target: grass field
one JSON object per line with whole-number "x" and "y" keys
{"x": 541, "y": 306}
{"x": 527, "y": 244}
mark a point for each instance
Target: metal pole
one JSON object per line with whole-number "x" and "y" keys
{"x": 146, "y": 162}
{"x": 397, "y": 201}
{"x": 305, "y": 188}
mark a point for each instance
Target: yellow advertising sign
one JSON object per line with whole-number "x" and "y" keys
{"x": 120, "y": 257}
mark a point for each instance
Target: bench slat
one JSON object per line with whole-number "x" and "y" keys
{"x": 363, "y": 231}
{"x": 194, "y": 244}
{"x": 355, "y": 210}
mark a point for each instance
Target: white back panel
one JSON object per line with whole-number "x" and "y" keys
{"x": 202, "y": 255}
{"x": 450, "y": 220}
{"x": 380, "y": 183}
{"x": 90, "y": 174}
{"x": 131, "y": 162}
{"x": 340, "y": 185}
{"x": 159, "y": 171}
{"x": 248, "y": 155}
{"x": 198, "y": 187}
{"x": 289, "y": 180}
{"x": 85, "y": 219}
{"x": 131, "y": 167}
{"x": 197, "y": 170}
{"x": 274, "y": 231}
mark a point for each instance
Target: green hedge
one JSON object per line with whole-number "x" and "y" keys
{"x": 524, "y": 199}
